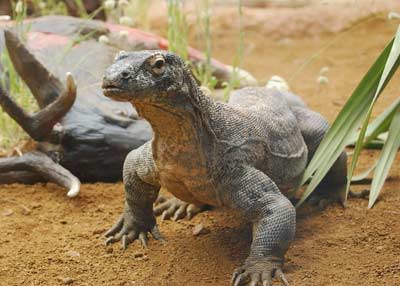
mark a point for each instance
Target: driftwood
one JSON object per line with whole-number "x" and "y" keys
{"x": 81, "y": 134}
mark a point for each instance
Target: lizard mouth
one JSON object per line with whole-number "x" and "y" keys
{"x": 114, "y": 92}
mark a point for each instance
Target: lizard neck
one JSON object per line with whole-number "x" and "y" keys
{"x": 182, "y": 131}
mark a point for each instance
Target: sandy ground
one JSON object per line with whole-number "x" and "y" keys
{"x": 48, "y": 239}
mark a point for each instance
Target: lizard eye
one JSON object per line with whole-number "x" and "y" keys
{"x": 158, "y": 65}
{"x": 125, "y": 74}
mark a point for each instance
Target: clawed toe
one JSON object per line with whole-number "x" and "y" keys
{"x": 127, "y": 230}
{"x": 175, "y": 209}
{"x": 259, "y": 271}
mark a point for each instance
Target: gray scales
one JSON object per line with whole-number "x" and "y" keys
{"x": 244, "y": 155}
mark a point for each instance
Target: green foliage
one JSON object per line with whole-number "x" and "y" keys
{"x": 11, "y": 133}
{"x": 204, "y": 71}
{"x": 356, "y": 112}
{"x": 50, "y": 7}
{"x": 20, "y": 10}
{"x": 386, "y": 159}
{"x": 237, "y": 62}
{"x": 177, "y": 29}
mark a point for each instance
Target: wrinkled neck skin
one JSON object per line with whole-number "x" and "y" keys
{"x": 181, "y": 131}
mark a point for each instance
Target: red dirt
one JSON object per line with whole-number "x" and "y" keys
{"x": 60, "y": 237}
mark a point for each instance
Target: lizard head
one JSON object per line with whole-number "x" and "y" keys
{"x": 156, "y": 77}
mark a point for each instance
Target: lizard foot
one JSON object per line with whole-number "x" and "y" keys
{"x": 259, "y": 271}
{"x": 364, "y": 194}
{"x": 175, "y": 209}
{"x": 327, "y": 195}
{"x": 128, "y": 228}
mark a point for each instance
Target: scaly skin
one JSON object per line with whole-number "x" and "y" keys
{"x": 241, "y": 155}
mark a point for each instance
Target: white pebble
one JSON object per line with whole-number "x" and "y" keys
{"x": 125, "y": 20}
{"x": 104, "y": 39}
{"x": 322, "y": 80}
{"x": 324, "y": 70}
{"x": 393, "y": 15}
{"x": 278, "y": 82}
{"x": 109, "y": 4}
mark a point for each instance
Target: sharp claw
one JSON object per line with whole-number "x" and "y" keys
{"x": 179, "y": 213}
{"x": 124, "y": 242}
{"x": 143, "y": 239}
{"x": 156, "y": 233}
{"x": 255, "y": 279}
{"x": 281, "y": 277}
{"x": 267, "y": 283}
{"x": 191, "y": 210}
{"x": 241, "y": 280}
{"x": 267, "y": 279}
{"x": 160, "y": 200}
{"x": 234, "y": 276}
{"x": 164, "y": 215}
{"x": 110, "y": 240}
{"x": 115, "y": 228}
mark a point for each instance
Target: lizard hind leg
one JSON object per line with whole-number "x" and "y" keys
{"x": 332, "y": 188}
{"x": 175, "y": 209}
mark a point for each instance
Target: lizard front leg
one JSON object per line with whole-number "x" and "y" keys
{"x": 259, "y": 200}
{"x": 141, "y": 190}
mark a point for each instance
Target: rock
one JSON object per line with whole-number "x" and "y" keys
{"x": 36, "y": 205}
{"x": 25, "y": 210}
{"x": 66, "y": 280}
{"x": 8, "y": 212}
{"x": 138, "y": 254}
{"x": 200, "y": 229}
{"x": 99, "y": 231}
{"x": 73, "y": 253}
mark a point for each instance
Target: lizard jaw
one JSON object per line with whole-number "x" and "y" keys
{"x": 115, "y": 93}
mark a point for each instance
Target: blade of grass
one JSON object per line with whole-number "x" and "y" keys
{"x": 346, "y": 123}
{"x": 363, "y": 175}
{"x": 379, "y": 125}
{"x": 390, "y": 65}
{"x": 386, "y": 158}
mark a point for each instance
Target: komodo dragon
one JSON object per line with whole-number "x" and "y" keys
{"x": 244, "y": 155}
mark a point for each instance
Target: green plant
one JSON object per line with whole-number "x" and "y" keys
{"x": 11, "y": 133}
{"x": 356, "y": 113}
{"x": 177, "y": 29}
{"x": 203, "y": 71}
{"x": 20, "y": 10}
{"x": 50, "y": 7}
{"x": 237, "y": 61}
